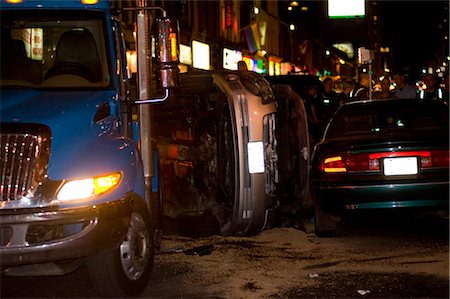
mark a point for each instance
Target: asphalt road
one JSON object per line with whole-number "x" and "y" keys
{"x": 397, "y": 257}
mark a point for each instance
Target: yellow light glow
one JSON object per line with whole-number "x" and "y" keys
{"x": 173, "y": 46}
{"x": 105, "y": 183}
{"x": 89, "y": 187}
{"x": 132, "y": 61}
{"x": 338, "y": 169}
{"x": 333, "y": 159}
{"x": 333, "y": 169}
{"x": 90, "y": 2}
{"x": 14, "y": 1}
{"x": 201, "y": 55}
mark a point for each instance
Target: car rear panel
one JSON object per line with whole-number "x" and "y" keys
{"x": 356, "y": 176}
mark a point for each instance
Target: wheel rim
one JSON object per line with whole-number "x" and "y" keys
{"x": 135, "y": 249}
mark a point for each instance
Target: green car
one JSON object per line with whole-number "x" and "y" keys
{"x": 380, "y": 155}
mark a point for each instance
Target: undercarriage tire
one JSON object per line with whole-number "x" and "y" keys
{"x": 324, "y": 224}
{"x": 124, "y": 272}
{"x": 196, "y": 225}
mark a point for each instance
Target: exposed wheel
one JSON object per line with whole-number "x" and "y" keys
{"x": 125, "y": 271}
{"x": 324, "y": 224}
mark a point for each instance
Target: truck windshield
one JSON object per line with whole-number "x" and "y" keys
{"x": 47, "y": 50}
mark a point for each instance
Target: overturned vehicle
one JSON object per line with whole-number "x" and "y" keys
{"x": 233, "y": 153}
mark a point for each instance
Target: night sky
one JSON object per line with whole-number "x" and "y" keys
{"x": 413, "y": 30}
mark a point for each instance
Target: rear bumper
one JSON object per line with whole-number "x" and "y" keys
{"x": 54, "y": 235}
{"x": 334, "y": 199}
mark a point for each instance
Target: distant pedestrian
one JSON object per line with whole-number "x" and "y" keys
{"x": 430, "y": 89}
{"x": 328, "y": 91}
{"x": 329, "y": 103}
{"x": 312, "y": 107}
{"x": 361, "y": 89}
{"x": 344, "y": 96}
{"x": 403, "y": 89}
{"x": 383, "y": 91}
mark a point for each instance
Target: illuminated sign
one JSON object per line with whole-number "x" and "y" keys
{"x": 347, "y": 48}
{"x": 231, "y": 59}
{"x": 201, "y": 55}
{"x": 274, "y": 66}
{"x": 250, "y": 63}
{"x": 185, "y": 54}
{"x": 286, "y": 68}
{"x": 228, "y": 13}
{"x": 346, "y": 8}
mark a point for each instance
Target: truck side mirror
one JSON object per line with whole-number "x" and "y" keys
{"x": 167, "y": 52}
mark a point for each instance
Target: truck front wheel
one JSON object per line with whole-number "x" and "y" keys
{"x": 125, "y": 271}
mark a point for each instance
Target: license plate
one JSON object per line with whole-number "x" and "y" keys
{"x": 400, "y": 166}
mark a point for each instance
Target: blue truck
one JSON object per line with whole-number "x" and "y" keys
{"x": 79, "y": 178}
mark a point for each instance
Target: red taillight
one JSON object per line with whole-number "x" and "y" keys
{"x": 367, "y": 162}
{"x": 428, "y": 159}
{"x": 360, "y": 162}
{"x": 439, "y": 158}
{"x": 333, "y": 164}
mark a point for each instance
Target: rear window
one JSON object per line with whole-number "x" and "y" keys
{"x": 380, "y": 117}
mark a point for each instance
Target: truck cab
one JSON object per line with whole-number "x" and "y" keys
{"x": 73, "y": 189}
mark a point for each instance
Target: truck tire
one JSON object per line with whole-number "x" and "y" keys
{"x": 125, "y": 271}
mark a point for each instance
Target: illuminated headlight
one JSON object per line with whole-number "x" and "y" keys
{"x": 255, "y": 157}
{"x": 89, "y": 187}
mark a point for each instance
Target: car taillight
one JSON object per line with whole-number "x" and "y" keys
{"x": 333, "y": 164}
{"x": 439, "y": 158}
{"x": 371, "y": 162}
{"x": 428, "y": 159}
{"x": 348, "y": 162}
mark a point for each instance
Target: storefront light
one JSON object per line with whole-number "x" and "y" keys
{"x": 185, "y": 54}
{"x": 201, "y": 55}
{"x": 231, "y": 59}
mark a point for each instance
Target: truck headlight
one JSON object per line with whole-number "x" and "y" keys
{"x": 89, "y": 187}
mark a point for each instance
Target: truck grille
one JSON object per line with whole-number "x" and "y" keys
{"x": 24, "y": 156}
